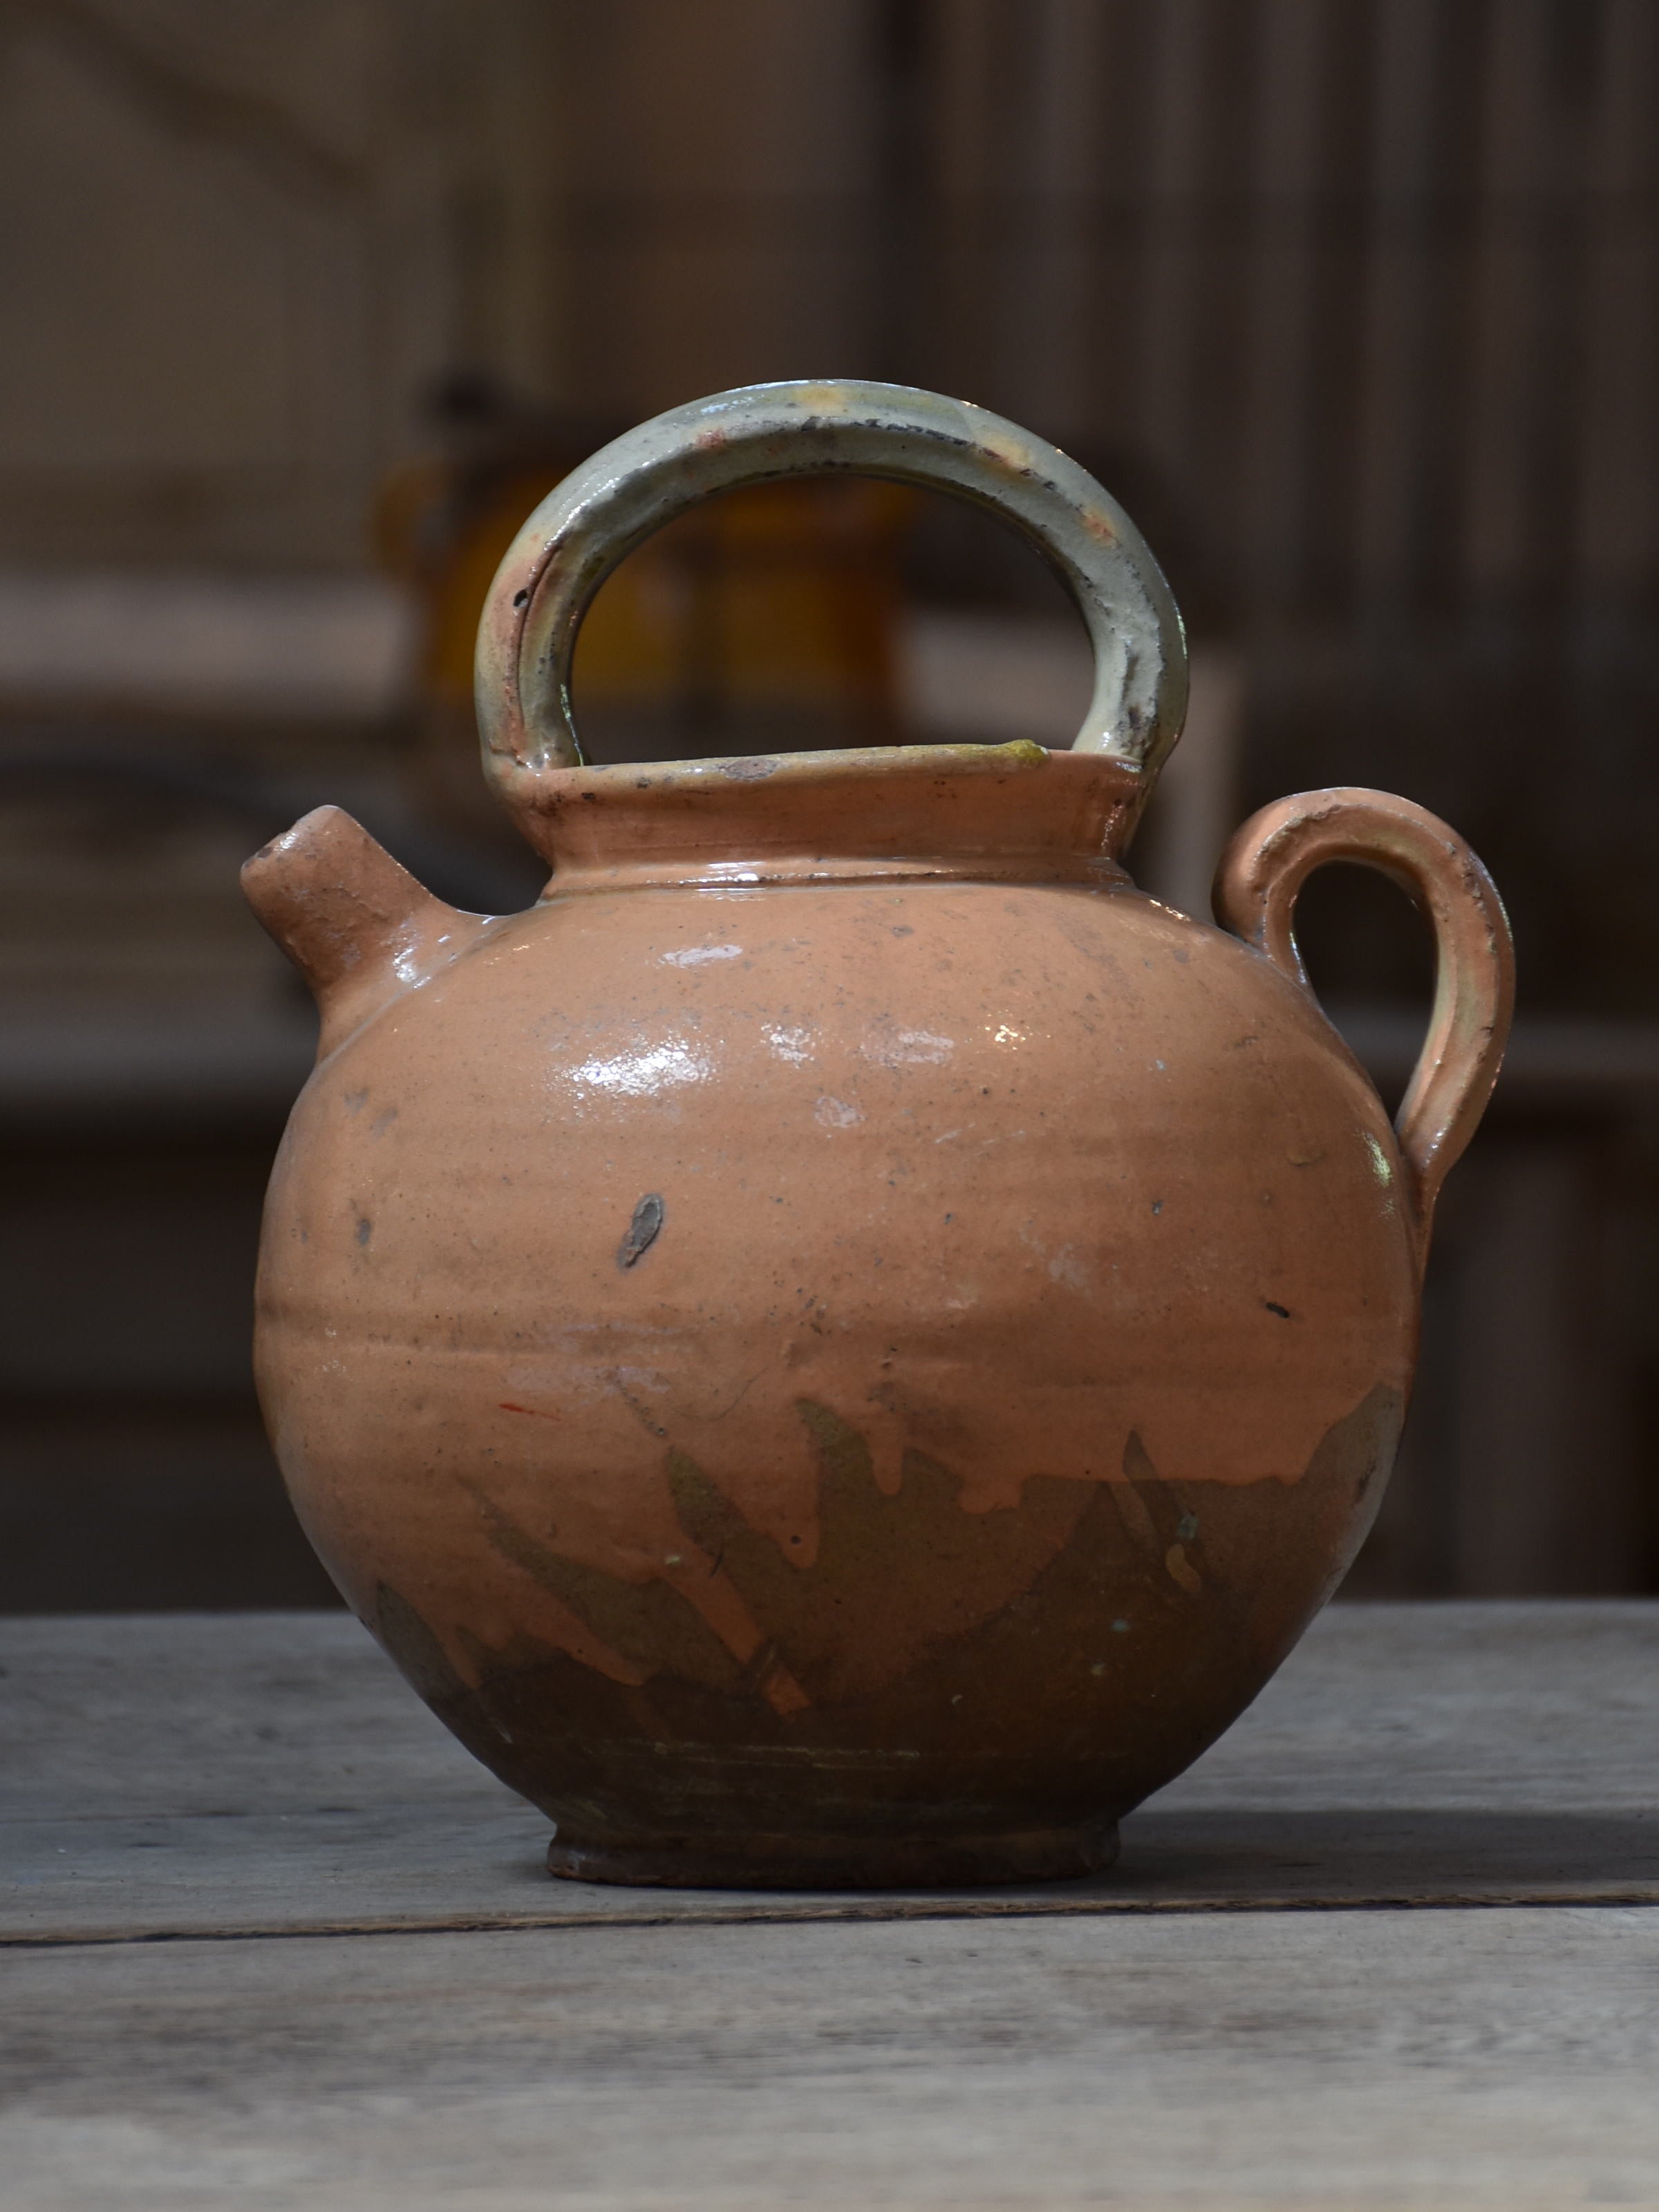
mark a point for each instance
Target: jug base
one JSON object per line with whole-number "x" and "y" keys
{"x": 805, "y": 1861}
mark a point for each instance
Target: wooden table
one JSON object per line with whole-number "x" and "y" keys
{"x": 270, "y": 1938}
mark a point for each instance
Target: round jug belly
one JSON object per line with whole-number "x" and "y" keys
{"x": 938, "y": 1339}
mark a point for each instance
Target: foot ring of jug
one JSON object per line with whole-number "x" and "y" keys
{"x": 939, "y": 1860}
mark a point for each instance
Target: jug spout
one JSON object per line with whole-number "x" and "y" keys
{"x": 355, "y": 924}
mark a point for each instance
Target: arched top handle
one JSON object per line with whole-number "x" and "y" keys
{"x": 582, "y": 530}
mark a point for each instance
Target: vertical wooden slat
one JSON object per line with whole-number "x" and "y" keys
{"x": 517, "y": 145}
{"x": 1210, "y": 477}
{"x": 1452, "y": 190}
{"x": 1615, "y": 527}
{"x": 963, "y": 39}
{"x": 1541, "y": 1459}
{"x": 1002, "y": 194}
{"x": 1338, "y": 247}
{"x": 1399, "y": 301}
{"x": 901, "y": 283}
{"x": 1285, "y": 105}
{"x": 1048, "y": 251}
{"x": 1112, "y": 336}
{"x": 964, "y": 129}
{"x": 1509, "y": 352}
{"x": 1171, "y": 303}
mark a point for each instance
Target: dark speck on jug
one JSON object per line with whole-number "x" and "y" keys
{"x": 642, "y": 1231}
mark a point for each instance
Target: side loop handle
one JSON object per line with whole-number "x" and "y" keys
{"x": 1261, "y": 876}
{"x": 763, "y": 432}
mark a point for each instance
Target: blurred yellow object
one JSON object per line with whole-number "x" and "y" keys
{"x": 768, "y": 615}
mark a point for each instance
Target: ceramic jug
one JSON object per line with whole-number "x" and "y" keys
{"x": 844, "y": 1347}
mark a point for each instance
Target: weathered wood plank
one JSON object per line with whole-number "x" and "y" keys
{"x": 1348, "y": 2062}
{"x": 180, "y": 1774}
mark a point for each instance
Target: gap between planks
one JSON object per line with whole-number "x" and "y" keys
{"x": 776, "y": 1916}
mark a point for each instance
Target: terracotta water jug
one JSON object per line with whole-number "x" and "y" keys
{"x": 845, "y": 1346}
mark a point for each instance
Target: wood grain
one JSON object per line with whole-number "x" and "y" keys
{"x": 1344, "y": 2061}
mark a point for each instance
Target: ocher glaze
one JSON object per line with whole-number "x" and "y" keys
{"x": 847, "y": 1344}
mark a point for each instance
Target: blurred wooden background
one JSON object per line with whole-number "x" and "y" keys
{"x": 1355, "y": 303}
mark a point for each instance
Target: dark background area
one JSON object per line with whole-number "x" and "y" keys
{"x": 1354, "y": 304}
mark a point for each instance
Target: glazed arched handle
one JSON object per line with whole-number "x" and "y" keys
{"x": 582, "y": 530}
{"x": 1261, "y": 873}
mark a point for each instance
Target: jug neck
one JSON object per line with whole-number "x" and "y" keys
{"x": 1009, "y": 814}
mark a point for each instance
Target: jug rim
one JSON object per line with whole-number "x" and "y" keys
{"x": 1008, "y": 813}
